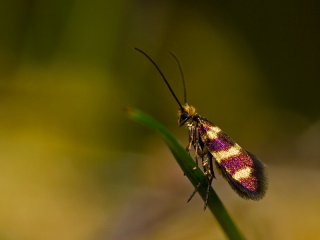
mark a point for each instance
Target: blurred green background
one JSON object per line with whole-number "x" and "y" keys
{"x": 72, "y": 166}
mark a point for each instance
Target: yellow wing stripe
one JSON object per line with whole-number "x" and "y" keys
{"x": 242, "y": 173}
{"x": 225, "y": 154}
{"x": 213, "y": 132}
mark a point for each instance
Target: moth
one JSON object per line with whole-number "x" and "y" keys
{"x": 243, "y": 171}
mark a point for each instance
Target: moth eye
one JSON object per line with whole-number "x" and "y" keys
{"x": 184, "y": 116}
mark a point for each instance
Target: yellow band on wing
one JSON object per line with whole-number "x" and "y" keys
{"x": 225, "y": 154}
{"x": 242, "y": 173}
{"x": 213, "y": 132}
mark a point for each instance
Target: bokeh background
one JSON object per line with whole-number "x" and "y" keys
{"x": 72, "y": 166}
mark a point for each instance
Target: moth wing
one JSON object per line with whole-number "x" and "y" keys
{"x": 243, "y": 171}
{"x": 252, "y": 185}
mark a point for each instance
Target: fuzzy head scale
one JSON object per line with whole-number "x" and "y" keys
{"x": 185, "y": 114}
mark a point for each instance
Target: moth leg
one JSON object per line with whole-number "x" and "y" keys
{"x": 211, "y": 164}
{"x": 197, "y": 147}
{"x": 208, "y": 172}
{"x": 207, "y": 194}
{"x": 191, "y": 141}
{"x": 194, "y": 192}
{"x": 194, "y": 142}
{"x": 191, "y": 138}
{"x": 198, "y": 153}
{"x": 203, "y": 154}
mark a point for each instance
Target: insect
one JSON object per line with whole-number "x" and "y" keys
{"x": 243, "y": 171}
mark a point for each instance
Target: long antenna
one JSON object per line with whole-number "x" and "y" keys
{"x": 182, "y": 76}
{"x": 162, "y": 75}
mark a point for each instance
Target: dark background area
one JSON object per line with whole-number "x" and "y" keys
{"x": 73, "y": 166}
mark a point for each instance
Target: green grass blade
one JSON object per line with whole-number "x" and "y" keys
{"x": 195, "y": 176}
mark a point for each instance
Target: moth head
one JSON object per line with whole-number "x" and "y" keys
{"x": 185, "y": 114}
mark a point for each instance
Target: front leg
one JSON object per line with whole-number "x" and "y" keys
{"x": 196, "y": 145}
{"x": 191, "y": 138}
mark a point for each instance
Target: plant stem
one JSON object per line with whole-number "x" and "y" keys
{"x": 193, "y": 173}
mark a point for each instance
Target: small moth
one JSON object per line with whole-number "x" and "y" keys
{"x": 243, "y": 171}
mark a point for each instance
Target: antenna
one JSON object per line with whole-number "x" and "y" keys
{"x": 162, "y": 75}
{"x": 182, "y": 76}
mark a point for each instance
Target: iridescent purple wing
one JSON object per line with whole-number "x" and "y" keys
{"x": 242, "y": 170}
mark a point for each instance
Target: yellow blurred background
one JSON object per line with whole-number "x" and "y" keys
{"x": 72, "y": 166}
